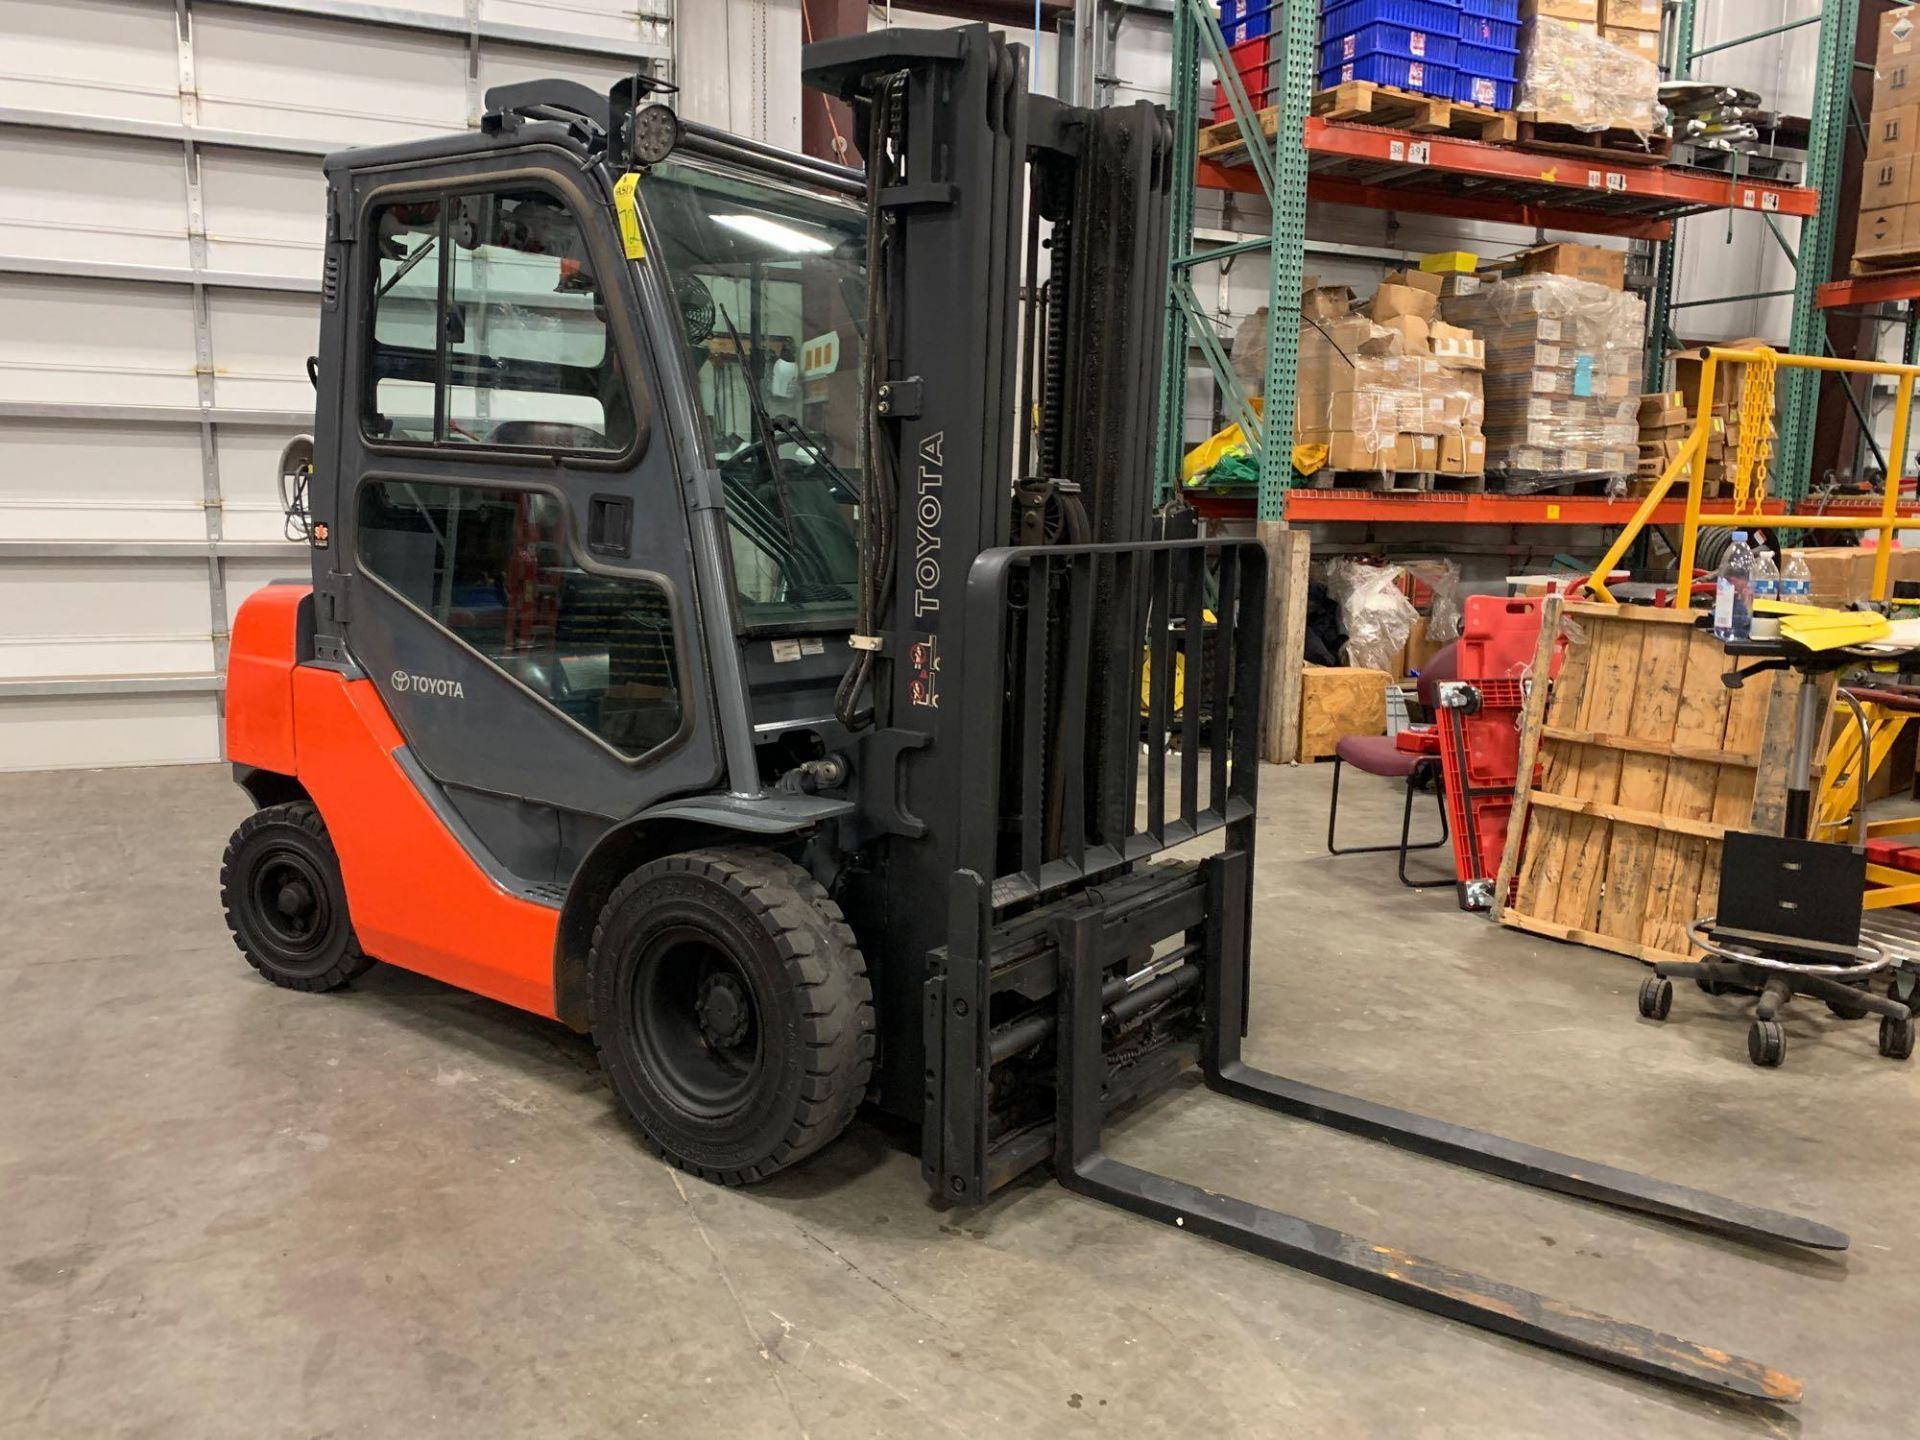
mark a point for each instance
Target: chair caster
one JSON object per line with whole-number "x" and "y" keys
{"x": 1896, "y": 1037}
{"x": 1656, "y": 998}
{"x": 1766, "y": 1042}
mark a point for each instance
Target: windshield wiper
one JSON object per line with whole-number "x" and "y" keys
{"x": 763, "y": 426}
{"x": 812, "y": 444}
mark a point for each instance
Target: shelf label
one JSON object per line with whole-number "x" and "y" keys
{"x": 1749, "y": 198}
{"x": 1770, "y": 200}
{"x": 1419, "y": 152}
{"x": 1617, "y": 180}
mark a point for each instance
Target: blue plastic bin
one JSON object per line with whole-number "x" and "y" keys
{"x": 1486, "y": 61}
{"x": 1438, "y": 17}
{"x": 1249, "y": 20}
{"x": 1508, "y": 10}
{"x": 1393, "y": 71}
{"x": 1483, "y": 91}
{"x": 1384, "y": 39}
{"x": 1479, "y": 30}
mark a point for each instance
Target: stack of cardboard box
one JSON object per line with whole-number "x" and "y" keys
{"x": 1665, "y": 423}
{"x": 1591, "y": 64}
{"x": 1844, "y": 574}
{"x": 1563, "y": 366}
{"x": 1729, "y": 385}
{"x": 1889, "y": 197}
{"x": 1372, "y": 389}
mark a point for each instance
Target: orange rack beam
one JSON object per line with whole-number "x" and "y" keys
{"x": 1443, "y": 175}
{"x": 1893, "y": 285}
{"x": 1307, "y": 506}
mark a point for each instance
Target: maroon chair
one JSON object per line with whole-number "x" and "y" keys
{"x": 1378, "y": 755}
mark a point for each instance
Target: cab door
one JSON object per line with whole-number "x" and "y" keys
{"x": 510, "y": 533}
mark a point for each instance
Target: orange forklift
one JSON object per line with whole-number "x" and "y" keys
{"x": 732, "y": 577}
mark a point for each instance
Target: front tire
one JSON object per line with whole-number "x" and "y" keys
{"x": 285, "y": 902}
{"x": 731, "y": 1011}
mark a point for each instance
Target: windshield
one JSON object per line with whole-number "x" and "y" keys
{"x": 771, "y": 285}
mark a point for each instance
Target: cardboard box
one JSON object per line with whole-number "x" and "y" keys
{"x": 1326, "y": 302}
{"x": 1416, "y": 454}
{"x": 1350, "y": 451}
{"x": 1463, "y": 452}
{"x": 1588, "y": 10}
{"x": 1839, "y": 574}
{"x": 1641, "y": 15}
{"x": 1660, "y": 403}
{"x": 1644, "y": 43}
{"x": 1886, "y": 182}
{"x": 1882, "y": 232}
{"x": 1890, "y": 132}
{"x": 1450, "y": 262}
{"x": 1896, "y": 63}
{"x": 1458, "y": 347}
{"x": 1430, "y": 281}
{"x": 1337, "y": 701}
{"x": 1391, "y": 300}
{"x": 1580, "y": 262}
{"x": 1414, "y": 332}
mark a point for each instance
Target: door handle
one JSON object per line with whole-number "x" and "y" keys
{"x": 610, "y": 525}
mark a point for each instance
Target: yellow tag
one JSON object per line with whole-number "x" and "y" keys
{"x": 623, "y": 206}
{"x": 1553, "y": 512}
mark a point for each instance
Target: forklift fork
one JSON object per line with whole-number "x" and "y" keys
{"x": 1348, "y": 1259}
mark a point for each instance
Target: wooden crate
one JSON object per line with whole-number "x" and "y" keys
{"x": 1337, "y": 701}
{"x": 1368, "y": 104}
{"x": 1646, "y": 760}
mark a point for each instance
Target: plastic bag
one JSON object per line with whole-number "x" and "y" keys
{"x": 1442, "y": 577}
{"x": 1377, "y": 615}
{"x": 1249, "y": 353}
{"x": 1569, "y": 75}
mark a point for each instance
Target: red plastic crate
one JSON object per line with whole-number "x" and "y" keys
{"x": 1480, "y": 740}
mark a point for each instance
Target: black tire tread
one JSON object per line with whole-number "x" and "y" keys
{"x": 819, "y": 953}
{"x": 303, "y": 815}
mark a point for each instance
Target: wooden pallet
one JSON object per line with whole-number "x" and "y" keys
{"x": 1880, "y": 264}
{"x": 1617, "y": 147}
{"x": 1369, "y": 105}
{"x": 1645, "y": 760}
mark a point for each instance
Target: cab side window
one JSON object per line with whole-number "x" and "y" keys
{"x": 492, "y": 566}
{"x": 490, "y": 328}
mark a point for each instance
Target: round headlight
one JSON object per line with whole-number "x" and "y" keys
{"x": 652, "y": 133}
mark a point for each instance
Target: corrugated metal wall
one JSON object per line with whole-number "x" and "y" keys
{"x": 160, "y": 225}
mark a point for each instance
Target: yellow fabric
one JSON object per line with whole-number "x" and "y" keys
{"x": 1179, "y": 673}
{"x": 1204, "y": 456}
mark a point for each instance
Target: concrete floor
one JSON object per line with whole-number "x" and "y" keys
{"x": 229, "y": 1210}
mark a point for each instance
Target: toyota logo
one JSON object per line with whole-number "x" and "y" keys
{"x": 401, "y": 680}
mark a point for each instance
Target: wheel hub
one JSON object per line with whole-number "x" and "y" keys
{"x": 723, "y": 1009}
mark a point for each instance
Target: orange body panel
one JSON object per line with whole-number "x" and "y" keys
{"x": 260, "y": 678}
{"x": 417, "y": 899}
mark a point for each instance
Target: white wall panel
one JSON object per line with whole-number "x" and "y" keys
{"x": 249, "y": 461}
{"x": 287, "y": 75}
{"x": 90, "y": 57}
{"x": 261, "y": 341}
{"x": 104, "y": 617}
{"x": 605, "y": 19}
{"x": 263, "y": 211}
{"x": 68, "y": 734}
{"x": 89, "y": 341}
{"x": 72, "y": 480}
{"x": 52, "y": 186}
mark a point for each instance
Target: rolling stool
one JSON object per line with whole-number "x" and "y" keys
{"x": 1788, "y": 924}
{"x": 1790, "y": 908}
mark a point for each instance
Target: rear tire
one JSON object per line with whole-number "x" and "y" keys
{"x": 731, "y": 1011}
{"x": 285, "y": 902}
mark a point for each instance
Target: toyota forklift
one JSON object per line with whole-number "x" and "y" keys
{"x": 740, "y": 630}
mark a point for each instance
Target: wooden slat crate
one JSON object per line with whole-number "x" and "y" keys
{"x": 1646, "y": 760}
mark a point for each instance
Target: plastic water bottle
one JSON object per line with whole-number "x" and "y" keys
{"x": 1766, "y": 575}
{"x": 1796, "y": 581}
{"x": 1733, "y": 592}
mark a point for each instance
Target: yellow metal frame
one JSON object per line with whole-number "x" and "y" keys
{"x": 1692, "y": 462}
{"x": 1840, "y": 793}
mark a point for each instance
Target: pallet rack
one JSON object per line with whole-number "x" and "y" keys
{"x": 1312, "y": 158}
